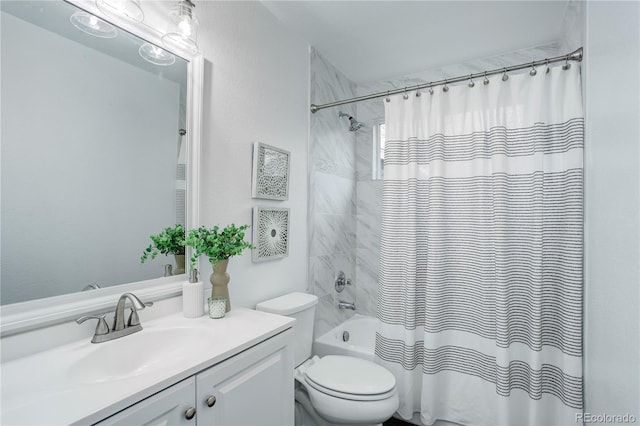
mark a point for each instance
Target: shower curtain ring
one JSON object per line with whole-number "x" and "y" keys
{"x": 431, "y": 88}
{"x": 445, "y": 88}
{"x": 418, "y": 94}
{"x": 566, "y": 65}
{"x": 505, "y": 76}
{"x": 406, "y": 95}
{"x": 533, "y": 69}
{"x": 471, "y": 82}
{"x": 546, "y": 61}
{"x": 486, "y": 80}
{"x": 388, "y": 99}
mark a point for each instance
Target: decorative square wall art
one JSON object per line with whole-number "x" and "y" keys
{"x": 270, "y": 233}
{"x": 270, "y": 172}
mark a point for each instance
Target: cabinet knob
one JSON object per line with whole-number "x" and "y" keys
{"x": 190, "y": 413}
{"x": 211, "y": 401}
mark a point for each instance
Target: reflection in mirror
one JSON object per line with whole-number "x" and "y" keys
{"x": 93, "y": 158}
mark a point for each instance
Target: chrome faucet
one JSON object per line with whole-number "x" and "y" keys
{"x": 103, "y": 333}
{"x": 136, "y": 304}
{"x": 346, "y": 305}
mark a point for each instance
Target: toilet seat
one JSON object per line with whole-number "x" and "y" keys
{"x": 350, "y": 396}
{"x": 350, "y": 378}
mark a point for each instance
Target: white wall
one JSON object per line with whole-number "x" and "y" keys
{"x": 612, "y": 354}
{"x": 256, "y": 89}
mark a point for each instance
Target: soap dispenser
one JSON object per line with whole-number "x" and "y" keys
{"x": 193, "y": 296}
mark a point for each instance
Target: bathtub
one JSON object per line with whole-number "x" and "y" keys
{"x": 362, "y": 338}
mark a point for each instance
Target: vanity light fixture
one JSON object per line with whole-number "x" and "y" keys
{"x": 93, "y": 25}
{"x": 184, "y": 33}
{"x": 129, "y": 9}
{"x": 156, "y": 55}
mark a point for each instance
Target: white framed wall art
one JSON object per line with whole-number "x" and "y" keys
{"x": 270, "y": 233}
{"x": 270, "y": 178}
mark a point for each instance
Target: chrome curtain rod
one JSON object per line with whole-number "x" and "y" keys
{"x": 573, "y": 56}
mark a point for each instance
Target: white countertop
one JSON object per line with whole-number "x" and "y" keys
{"x": 53, "y": 387}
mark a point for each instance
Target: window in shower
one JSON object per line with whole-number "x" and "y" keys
{"x": 378, "y": 150}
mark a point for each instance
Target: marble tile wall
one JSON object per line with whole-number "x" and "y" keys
{"x": 332, "y": 194}
{"x": 573, "y": 27}
{"x": 368, "y": 209}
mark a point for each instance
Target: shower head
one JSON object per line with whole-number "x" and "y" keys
{"x": 354, "y": 124}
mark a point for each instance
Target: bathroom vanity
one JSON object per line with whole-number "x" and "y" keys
{"x": 234, "y": 371}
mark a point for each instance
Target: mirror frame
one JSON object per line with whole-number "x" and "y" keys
{"x": 24, "y": 316}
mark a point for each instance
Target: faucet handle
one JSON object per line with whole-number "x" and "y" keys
{"x": 133, "y": 316}
{"x": 101, "y": 328}
{"x": 341, "y": 281}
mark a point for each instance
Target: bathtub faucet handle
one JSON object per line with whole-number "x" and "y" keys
{"x": 341, "y": 281}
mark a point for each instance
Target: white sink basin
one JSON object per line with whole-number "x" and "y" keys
{"x": 136, "y": 354}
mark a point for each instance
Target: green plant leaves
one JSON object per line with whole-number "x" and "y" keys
{"x": 216, "y": 244}
{"x": 169, "y": 241}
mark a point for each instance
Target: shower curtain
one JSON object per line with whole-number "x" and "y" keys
{"x": 480, "y": 290}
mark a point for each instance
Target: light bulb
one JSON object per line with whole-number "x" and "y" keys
{"x": 156, "y": 55}
{"x": 129, "y": 9}
{"x": 184, "y": 26}
{"x": 93, "y": 25}
{"x": 183, "y": 34}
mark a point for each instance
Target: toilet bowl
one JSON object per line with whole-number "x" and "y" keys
{"x": 335, "y": 389}
{"x": 348, "y": 390}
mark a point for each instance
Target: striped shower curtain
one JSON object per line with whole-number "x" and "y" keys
{"x": 480, "y": 292}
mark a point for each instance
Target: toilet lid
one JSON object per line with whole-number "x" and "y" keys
{"x": 349, "y": 375}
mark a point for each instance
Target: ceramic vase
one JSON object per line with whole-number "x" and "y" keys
{"x": 180, "y": 265}
{"x": 219, "y": 280}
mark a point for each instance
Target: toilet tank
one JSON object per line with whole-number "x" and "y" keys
{"x": 302, "y": 307}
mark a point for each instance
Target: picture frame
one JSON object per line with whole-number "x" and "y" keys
{"x": 270, "y": 233}
{"x": 270, "y": 178}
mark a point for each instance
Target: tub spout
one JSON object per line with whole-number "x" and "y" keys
{"x": 347, "y": 305}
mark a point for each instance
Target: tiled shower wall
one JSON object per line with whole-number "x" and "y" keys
{"x": 332, "y": 187}
{"x": 344, "y": 210}
{"x": 368, "y": 208}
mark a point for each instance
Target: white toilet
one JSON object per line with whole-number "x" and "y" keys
{"x": 333, "y": 390}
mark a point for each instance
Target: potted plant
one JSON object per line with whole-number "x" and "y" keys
{"x": 218, "y": 245}
{"x": 169, "y": 241}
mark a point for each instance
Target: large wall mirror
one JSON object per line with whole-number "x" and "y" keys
{"x": 95, "y": 145}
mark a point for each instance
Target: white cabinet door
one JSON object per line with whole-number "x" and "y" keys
{"x": 167, "y": 407}
{"x": 254, "y": 388}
